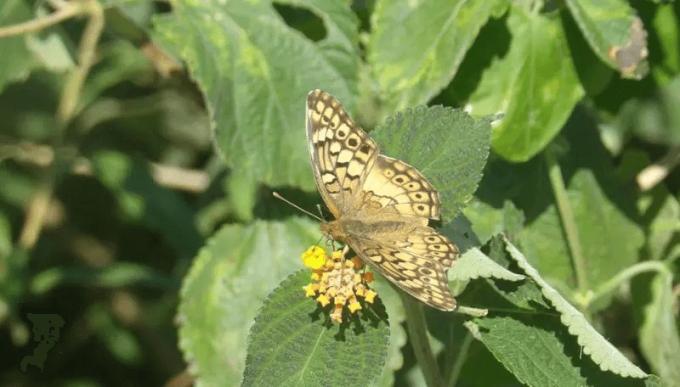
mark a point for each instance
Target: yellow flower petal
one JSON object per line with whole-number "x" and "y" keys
{"x": 310, "y": 290}
{"x": 323, "y": 300}
{"x": 315, "y": 276}
{"x": 370, "y": 296}
{"x": 354, "y": 306}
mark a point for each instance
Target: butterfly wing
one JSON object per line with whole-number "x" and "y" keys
{"x": 342, "y": 154}
{"x": 416, "y": 261}
{"x": 399, "y": 188}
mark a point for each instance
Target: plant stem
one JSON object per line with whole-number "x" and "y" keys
{"x": 417, "y": 333}
{"x": 86, "y": 56}
{"x": 66, "y": 12}
{"x": 626, "y": 274}
{"x": 568, "y": 221}
{"x": 39, "y": 204}
{"x": 452, "y": 377}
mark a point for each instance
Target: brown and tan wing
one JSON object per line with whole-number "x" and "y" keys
{"x": 416, "y": 262}
{"x": 342, "y": 154}
{"x": 400, "y": 188}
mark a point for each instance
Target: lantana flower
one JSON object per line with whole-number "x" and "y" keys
{"x": 337, "y": 281}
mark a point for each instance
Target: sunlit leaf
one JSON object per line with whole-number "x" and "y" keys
{"x": 255, "y": 73}
{"x": 415, "y": 48}
{"x": 292, "y": 343}
{"x": 225, "y": 287}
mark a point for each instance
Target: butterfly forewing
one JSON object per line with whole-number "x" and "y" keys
{"x": 382, "y": 204}
{"x": 342, "y": 153}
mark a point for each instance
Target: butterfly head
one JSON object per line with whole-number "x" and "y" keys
{"x": 334, "y": 230}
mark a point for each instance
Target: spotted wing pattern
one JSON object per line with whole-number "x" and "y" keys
{"x": 342, "y": 153}
{"x": 416, "y": 261}
{"x": 384, "y": 204}
{"x": 400, "y": 188}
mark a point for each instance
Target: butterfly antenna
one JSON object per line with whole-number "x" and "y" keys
{"x": 276, "y": 195}
{"x": 318, "y": 207}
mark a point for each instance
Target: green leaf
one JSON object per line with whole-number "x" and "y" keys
{"x": 140, "y": 198}
{"x": 448, "y": 146}
{"x": 292, "y": 342}
{"x": 665, "y": 24}
{"x": 397, "y": 316}
{"x": 227, "y": 282}
{"x": 255, "y": 73}
{"x": 603, "y": 353}
{"x": 535, "y": 348}
{"x": 533, "y": 82}
{"x": 475, "y": 264}
{"x": 415, "y": 48}
{"x": 602, "y": 204}
{"x": 18, "y": 60}
{"x": 614, "y": 32}
{"x": 488, "y": 221}
{"x": 658, "y": 329}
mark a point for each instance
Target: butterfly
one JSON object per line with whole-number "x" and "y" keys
{"x": 381, "y": 205}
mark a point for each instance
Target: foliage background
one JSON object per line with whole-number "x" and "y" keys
{"x": 158, "y": 169}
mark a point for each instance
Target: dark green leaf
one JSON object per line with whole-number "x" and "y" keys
{"x": 292, "y": 342}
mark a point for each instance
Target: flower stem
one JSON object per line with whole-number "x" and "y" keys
{"x": 626, "y": 274}
{"x": 568, "y": 221}
{"x": 452, "y": 377}
{"x": 417, "y": 333}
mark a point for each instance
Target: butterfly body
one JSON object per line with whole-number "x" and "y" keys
{"x": 381, "y": 205}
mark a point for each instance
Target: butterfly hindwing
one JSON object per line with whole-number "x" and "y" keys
{"x": 416, "y": 262}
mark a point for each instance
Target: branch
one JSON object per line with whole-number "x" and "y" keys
{"x": 68, "y": 11}
{"x": 37, "y": 207}
{"x": 181, "y": 179}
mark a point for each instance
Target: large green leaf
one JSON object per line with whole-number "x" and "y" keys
{"x": 533, "y": 82}
{"x": 658, "y": 328}
{"x": 447, "y": 145}
{"x": 415, "y": 48}
{"x": 255, "y": 73}
{"x": 220, "y": 297}
{"x": 614, "y": 32}
{"x": 603, "y": 353}
{"x": 292, "y": 344}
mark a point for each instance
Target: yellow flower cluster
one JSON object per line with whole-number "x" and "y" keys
{"x": 337, "y": 280}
